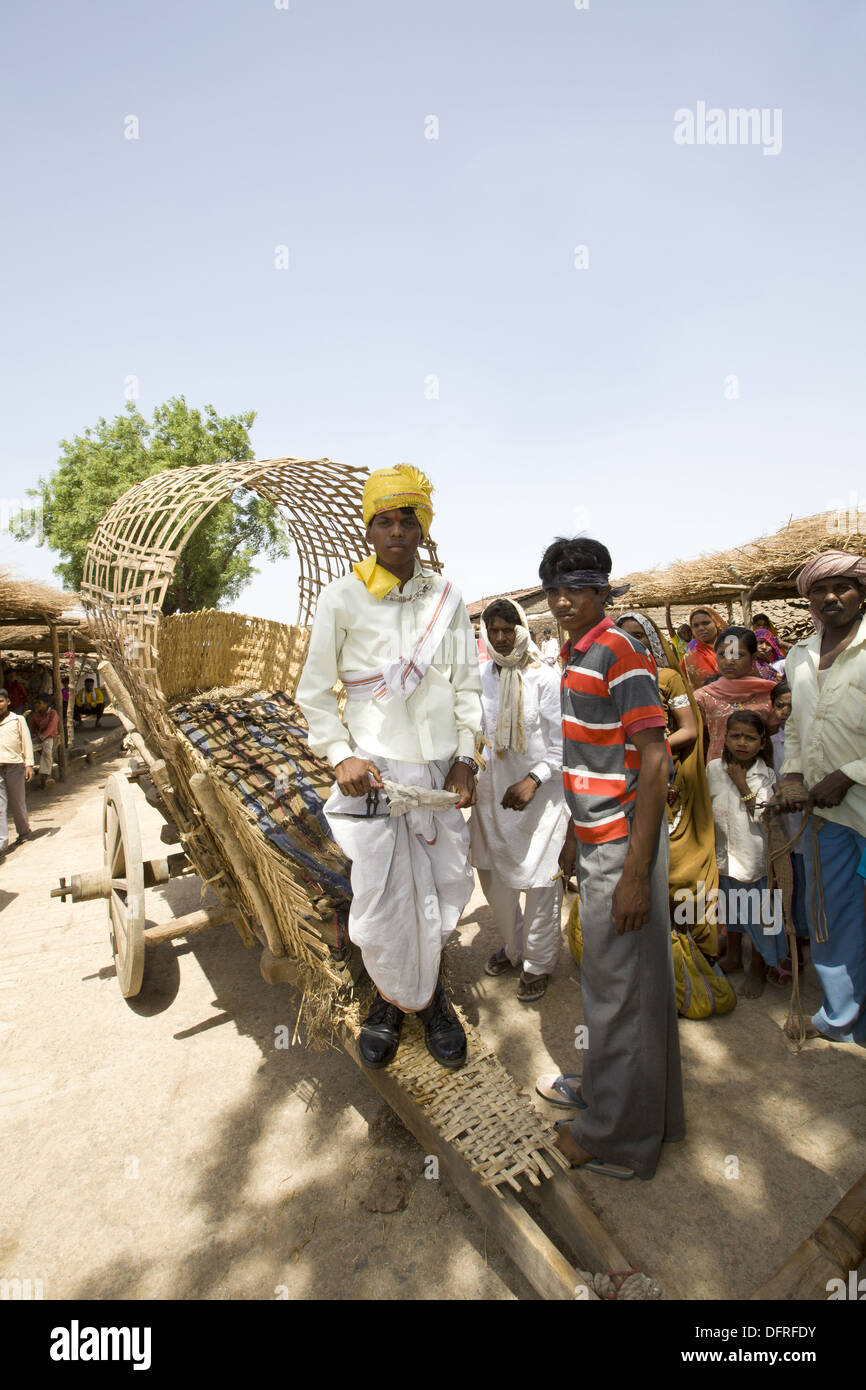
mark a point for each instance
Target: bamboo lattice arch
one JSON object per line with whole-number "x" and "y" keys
{"x": 132, "y": 558}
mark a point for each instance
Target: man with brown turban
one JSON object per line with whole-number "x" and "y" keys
{"x": 825, "y": 770}
{"x": 399, "y": 638}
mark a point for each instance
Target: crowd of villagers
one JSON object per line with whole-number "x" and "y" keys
{"x": 646, "y": 769}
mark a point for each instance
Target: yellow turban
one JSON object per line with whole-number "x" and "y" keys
{"x": 390, "y": 488}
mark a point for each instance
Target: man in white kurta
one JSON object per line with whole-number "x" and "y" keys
{"x": 520, "y": 819}
{"x": 404, "y": 648}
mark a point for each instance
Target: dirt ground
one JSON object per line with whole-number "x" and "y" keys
{"x": 166, "y": 1148}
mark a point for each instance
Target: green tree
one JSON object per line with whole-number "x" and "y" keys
{"x": 98, "y": 466}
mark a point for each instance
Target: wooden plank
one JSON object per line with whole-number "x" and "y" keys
{"x": 575, "y": 1221}
{"x": 538, "y": 1259}
{"x": 189, "y": 925}
{"x": 835, "y": 1248}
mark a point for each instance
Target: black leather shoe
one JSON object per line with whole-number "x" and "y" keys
{"x": 380, "y": 1033}
{"x": 443, "y": 1031}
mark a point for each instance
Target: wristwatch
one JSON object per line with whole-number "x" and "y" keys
{"x": 536, "y": 780}
{"x": 470, "y": 763}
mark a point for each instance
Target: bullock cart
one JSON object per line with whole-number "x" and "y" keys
{"x": 218, "y": 746}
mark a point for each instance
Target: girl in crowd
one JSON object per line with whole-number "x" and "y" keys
{"x": 690, "y": 809}
{"x": 519, "y": 821}
{"x": 738, "y": 687}
{"x": 699, "y": 662}
{"x": 770, "y": 663}
{"x": 761, "y": 620}
{"x": 741, "y": 783}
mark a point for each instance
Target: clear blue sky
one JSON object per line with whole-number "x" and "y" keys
{"x": 568, "y": 399}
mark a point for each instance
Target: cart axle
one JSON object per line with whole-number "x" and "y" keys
{"x": 97, "y": 883}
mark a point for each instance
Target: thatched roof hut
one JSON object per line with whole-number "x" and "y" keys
{"x": 73, "y": 637}
{"x": 31, "y": 615}
{"x": 765, "y": 568}
{"x": 529, "y": 600}
{"x": 762, "y": 572}
{"x": 29, "y": 601}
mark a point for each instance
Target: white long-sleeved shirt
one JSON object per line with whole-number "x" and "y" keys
{"x": 353, "y": 631}
{"x": 740, "y": 849}
{"x": 826, "y": 730}
{"x": 522, "y": 847}
{"x": 16, "y": 745}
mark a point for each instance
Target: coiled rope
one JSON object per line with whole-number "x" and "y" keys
{"x": 622, "y": 1285}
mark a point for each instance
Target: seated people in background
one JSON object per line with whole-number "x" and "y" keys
{"x": 741, "y": 785}
{"x": 90, "y": 700}
{"x": 699, "y": 661}
{"x": 738, "y": 687}
{"x": 549, "y": 648}
{"x": 45, "y": 727}
{"x": 519, "y": 821}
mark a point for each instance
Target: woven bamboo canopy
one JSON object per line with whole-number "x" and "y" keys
{"x": 131, "y": 560}
{"x": 765, "y": 568}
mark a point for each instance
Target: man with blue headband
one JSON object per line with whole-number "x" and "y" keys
{"x": 616, "y": 767}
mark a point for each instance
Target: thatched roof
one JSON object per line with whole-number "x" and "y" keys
{"x": 27, "y": 600}
{"x": 76, "y": 636}
{"x": 766, "y": 566}
{"x": 527, "y": 598}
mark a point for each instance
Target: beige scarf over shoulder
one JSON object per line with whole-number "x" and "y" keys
{"x": 509, "y": 724}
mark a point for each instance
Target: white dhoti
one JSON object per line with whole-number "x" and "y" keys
{"x": 410, "y": 880}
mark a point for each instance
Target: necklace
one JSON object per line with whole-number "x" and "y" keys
{"x": 396, "y": 597}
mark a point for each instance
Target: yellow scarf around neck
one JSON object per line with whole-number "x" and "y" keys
{"x": 378, "y": 581}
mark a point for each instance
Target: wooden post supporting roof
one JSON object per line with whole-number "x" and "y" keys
{"x": 60, "y": 750}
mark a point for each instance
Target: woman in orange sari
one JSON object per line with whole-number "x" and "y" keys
{"x": 738, "y": 687}
{"x": 699, "y": 662}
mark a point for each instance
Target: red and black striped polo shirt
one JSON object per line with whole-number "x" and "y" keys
{"x": 609, "y": 691}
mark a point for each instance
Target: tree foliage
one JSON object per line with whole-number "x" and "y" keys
{"x": 98, "y": 466}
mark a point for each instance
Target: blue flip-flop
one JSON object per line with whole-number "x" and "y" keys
{"x": 608, "y": 1170}
{"x": 558, "y": 1091}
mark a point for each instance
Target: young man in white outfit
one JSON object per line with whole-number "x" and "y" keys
{"x": 399, "y": 638}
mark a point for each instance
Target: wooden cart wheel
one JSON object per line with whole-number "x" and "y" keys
{"x": 125, "y": 866}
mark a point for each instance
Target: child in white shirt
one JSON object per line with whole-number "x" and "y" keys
{"x": 741, "y": 783}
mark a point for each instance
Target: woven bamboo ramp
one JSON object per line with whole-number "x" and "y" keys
{"x": 219, "y": 748}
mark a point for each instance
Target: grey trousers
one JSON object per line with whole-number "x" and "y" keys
{"x": 12, "y": 798}
{"x": 632, "y": 1081}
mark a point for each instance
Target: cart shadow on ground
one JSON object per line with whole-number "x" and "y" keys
{"x": 350, "y": 1211}
{"x": 774, "y": 1139}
